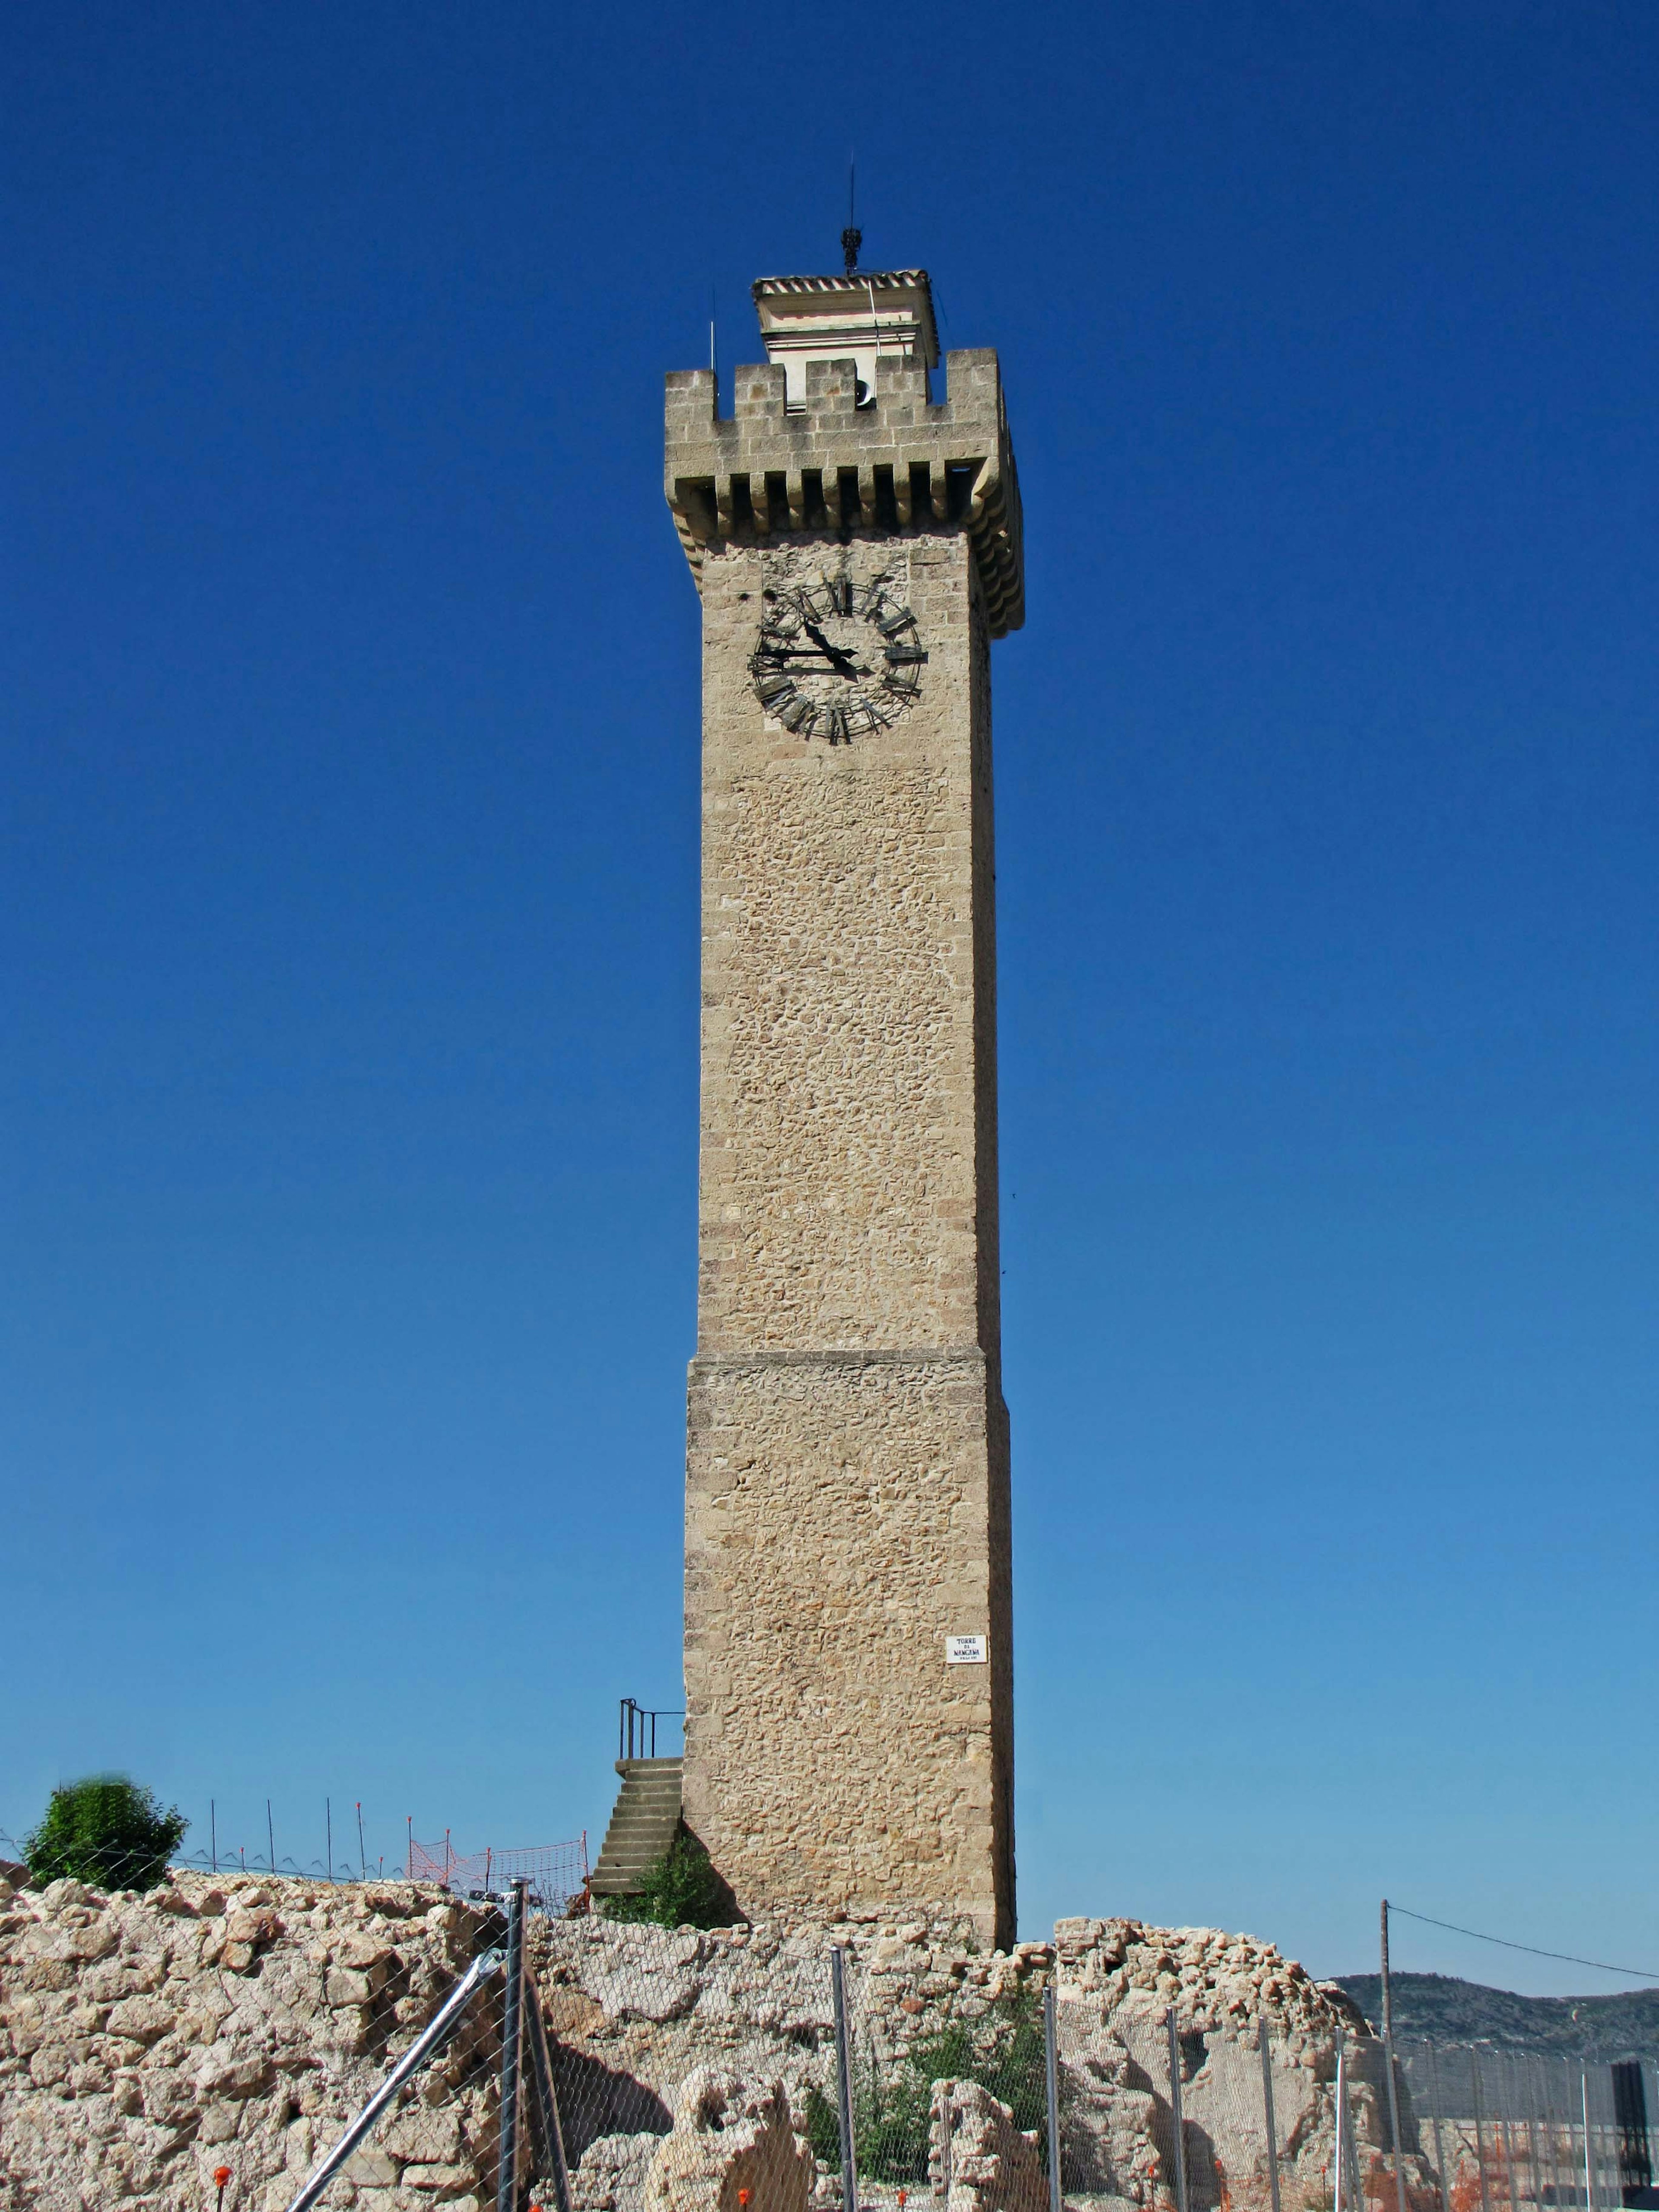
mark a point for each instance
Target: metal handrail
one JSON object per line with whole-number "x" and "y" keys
{"x": 637, "y": 1724}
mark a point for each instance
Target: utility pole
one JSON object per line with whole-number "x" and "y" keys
{"x": 1387, "y": 2061}
{"x": 1387, "y": 1995}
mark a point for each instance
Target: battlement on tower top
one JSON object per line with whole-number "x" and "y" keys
{"x": 849, "y": 459}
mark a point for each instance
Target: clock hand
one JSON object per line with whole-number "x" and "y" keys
{"x": 841, "y": 662}
{"x": 828, "y": 658}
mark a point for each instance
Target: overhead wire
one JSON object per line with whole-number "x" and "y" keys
{"x": 1635, "y": 1973}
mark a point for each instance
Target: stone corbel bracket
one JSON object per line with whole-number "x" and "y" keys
{"x": 897, "y": 464}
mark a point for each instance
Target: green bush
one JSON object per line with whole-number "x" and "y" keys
{"x": 105, "y": 1830}
{"x": 892, "y": 2119}
{"x": 681, "y": 1889}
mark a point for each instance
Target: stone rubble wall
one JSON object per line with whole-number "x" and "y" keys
{"x": 145, "y": 2040}
{"x": 978, "y": 2160}
{"x": 1116, "y": 1981}
{"x": 634, "y": 2009}
{"x": 733, "y": 2145}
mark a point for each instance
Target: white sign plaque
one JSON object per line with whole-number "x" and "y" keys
{"x": 964, "y": 1650}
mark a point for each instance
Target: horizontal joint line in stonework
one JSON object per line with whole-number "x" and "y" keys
{"x": 843, "y": 1356}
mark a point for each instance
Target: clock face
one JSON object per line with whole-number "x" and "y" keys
{"x": 836, "y": 660}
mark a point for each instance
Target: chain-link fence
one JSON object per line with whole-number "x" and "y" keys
{"x": 290, "y": 2044}
{"x": 556, "y": 1873}
{"x": 1161, "y": 2112}
{"x": 187, "y": 2038}
{"x": 1507, "y": 2129}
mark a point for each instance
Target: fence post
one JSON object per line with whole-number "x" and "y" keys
{"x": 547, "y": 2098}
{"x": 1439, "y": 2147}
{"x": 1339, "y": 2180}
{"x": 1506, "y": 2126}
{"x": 1387, "y": 2061}
{"x": 1051, "y": 2057}
{"x": 1579, "y": 2159}
{"x": 1174, "y": 2108}
{"x": 1355, "y": 2186}
{"x": 1394, "y": 2126}
{"x": 1508, "y": 2151}
{"x": 1533, "y": 2158}
{"x": 1590, "y": 2186}
{"x": 1268, "y": 2112}
{"x": 507, "y": 2171}
{"x": 1479, "y": 2140}
{"x": 1556, "y": 2136}
{"x": 849, "y": 2176}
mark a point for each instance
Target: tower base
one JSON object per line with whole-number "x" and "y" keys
{"x": 846, "y": 1525}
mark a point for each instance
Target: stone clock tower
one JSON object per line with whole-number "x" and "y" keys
{"x": 848, "y": 1661}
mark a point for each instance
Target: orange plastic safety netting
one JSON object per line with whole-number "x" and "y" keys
{"x": 556, "y": 1874}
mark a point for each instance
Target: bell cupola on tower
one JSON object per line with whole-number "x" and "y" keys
{"x": 881, "y": 320}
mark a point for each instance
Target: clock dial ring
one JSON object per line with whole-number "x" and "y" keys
{"x": 837, "y": 658}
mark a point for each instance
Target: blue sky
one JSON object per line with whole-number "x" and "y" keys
{"x": 347, "y": 1105}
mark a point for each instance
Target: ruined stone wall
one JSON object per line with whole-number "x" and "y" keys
{"x": 846, "y": 1505}
{"x": 145, "y": 2041}
{"x": 1115, "y": 1983}
{"x": 635, "y": 2010}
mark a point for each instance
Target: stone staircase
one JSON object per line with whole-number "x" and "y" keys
{"x": 646, "y": 1821}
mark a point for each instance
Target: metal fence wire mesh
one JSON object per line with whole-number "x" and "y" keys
{"x": 1508, "y": 2129}
{"x": 1164, "y": 2114}
{"x": 992, "y": 2037}
{"x": 390, "y": 2045}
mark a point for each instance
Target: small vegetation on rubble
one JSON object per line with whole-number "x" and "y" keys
{"x": 892, "y": 2119}
{"x": 681, "y": 1889}
{"x": 105, "y": 1829}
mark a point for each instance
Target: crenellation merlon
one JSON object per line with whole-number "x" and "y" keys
{"x": 899, "y": 462}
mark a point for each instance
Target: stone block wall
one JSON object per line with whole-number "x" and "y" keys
{"x": 145, "y": 2041}
{"x": 848, "y": 1037}
{"x": 846, "y": 1513}
{"x": 847, "y": 1499}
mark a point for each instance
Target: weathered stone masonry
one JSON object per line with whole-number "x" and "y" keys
{"x": 144, "y": 2041}
{"x": 848, "y": 1444}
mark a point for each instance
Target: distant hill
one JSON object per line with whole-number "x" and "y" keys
{"x": 1439, "y": 2008}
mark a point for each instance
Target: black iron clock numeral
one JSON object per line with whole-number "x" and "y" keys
{"x": 793, "y": 650}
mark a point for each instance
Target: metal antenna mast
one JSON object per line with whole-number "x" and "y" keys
{"x": 852, "y": 238}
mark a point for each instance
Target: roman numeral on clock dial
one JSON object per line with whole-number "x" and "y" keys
{"x": 837, "y": 658}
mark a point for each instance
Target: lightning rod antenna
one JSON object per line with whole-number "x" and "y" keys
{"x": 852, "y": 238}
